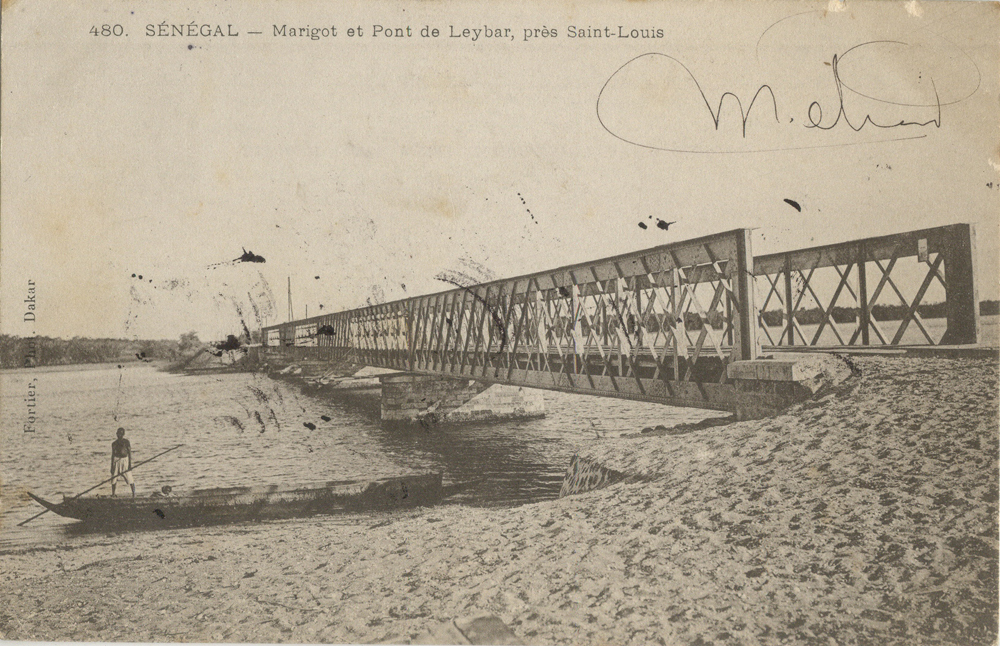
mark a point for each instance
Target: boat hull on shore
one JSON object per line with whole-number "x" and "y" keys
{"x": 243, "y": 504}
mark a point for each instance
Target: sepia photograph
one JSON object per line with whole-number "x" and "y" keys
{"x": 586, "y": 322}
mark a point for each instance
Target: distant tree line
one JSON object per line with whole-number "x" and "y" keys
{"x": 772, "y": 318}
{"x": 16, "y": 352}
{"x": 814, "y": 316}
{"x": 48, "y": 351}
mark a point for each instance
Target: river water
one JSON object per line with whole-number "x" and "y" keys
{"x": 247, "y": 429}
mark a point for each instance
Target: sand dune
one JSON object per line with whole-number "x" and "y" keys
{"x": 868, "y": 516}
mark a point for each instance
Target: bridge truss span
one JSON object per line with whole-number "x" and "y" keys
{"x": 663, "y": 324}
{"x": 660, "y": 324}
{"x": 912, "y": 288}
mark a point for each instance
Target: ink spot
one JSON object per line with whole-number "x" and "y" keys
{"x": 660, "y": 224}
{"x": 793, "y": 204}
{"x": 642, "y": 225}
{"x": 249, "y": 256}
{"x": 231, "y": 343}
{"x": 159, "y": 513}
{"x": 527, "y": 209}
{"x": 309, "y": 425}
{"x": 325, "y": 418}
{"x": 190, "y": 47}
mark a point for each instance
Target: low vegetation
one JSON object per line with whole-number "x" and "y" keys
{"x": 28, "y": 352}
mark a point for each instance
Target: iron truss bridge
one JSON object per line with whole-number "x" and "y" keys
{"x": 662, "y": 324}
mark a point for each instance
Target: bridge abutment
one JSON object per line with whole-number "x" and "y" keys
{"x": 765, "y": 387}
{"x": 415, "y": 398}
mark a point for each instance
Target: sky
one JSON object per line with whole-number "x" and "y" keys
{"x": 363, "y": 167}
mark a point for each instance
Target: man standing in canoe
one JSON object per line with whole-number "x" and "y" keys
{"x": 121, "y": 462}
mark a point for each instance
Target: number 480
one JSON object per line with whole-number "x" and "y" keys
{"x": 107, "y": 30}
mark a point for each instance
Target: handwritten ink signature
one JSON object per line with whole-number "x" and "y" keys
{"x": 814, "y": 114}
{"x": 815, "y": 120}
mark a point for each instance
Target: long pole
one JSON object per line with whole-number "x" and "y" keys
{"x": 139, "y": 464}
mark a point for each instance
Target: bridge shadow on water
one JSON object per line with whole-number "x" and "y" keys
{"x": 500, "y": 463}
{"x": 504, "y": 463}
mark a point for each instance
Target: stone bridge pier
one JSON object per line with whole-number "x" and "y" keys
{"x": 408, "y": 397}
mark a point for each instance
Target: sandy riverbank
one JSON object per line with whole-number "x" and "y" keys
{"x": 869, "y": 516}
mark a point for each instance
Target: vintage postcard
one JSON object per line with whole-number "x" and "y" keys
{"x": 583, "y": 322}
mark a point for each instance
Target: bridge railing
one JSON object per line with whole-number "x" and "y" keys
{"x": 656, "y": 324}
{"x": 913, "y": 288}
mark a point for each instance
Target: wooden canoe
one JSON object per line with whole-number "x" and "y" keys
{"x": 240, "y": 504}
